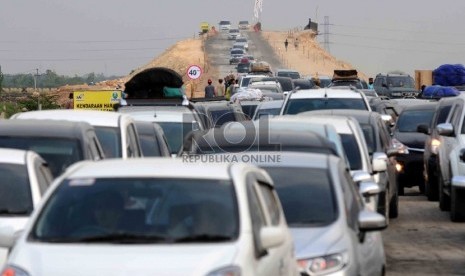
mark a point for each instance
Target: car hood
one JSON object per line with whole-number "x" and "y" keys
{"x": 414, "y": 140}
{"x": 97, "y": 259}
{"x": 317, "y": 241}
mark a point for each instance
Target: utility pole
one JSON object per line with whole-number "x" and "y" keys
{"x": 326, "y": 34}
{"x": 39, "y": 107}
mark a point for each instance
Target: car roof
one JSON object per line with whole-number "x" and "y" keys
{"x": 287, "y": 159}
{"x": 255, "y": 138}
{"x": 325, "y": 93}
{"x": 341, "y": 123}
{"x": 13, "y": 156}
{"x": 271, "y": 104}
{"x": 149, "y": 167}
{"x": 43, "y": 128}
{"x": 287, "y": 70}
{"x": 160, "y": 114}
{"x": 428, "y": 106}
{"x": 362, "y": 116}
{"x": 93, "y": 117}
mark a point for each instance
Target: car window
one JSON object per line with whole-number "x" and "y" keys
{"x": 15, "y": 191}
{"x": 171, "y": 210}
{"x": 306, "y": 195}
{"x": 149, "y": 145}
{"x": 44, "y": 176}
{"x": 384, "y": 135}
{"x": 443, "y": 112}
{"x": 110, "y": 140}
{"x": 271, "y": 203}
{"x": 370, "y": 138}
{"x": 400, "y": 81}
{"x": 349, "y": 142}
{"x": 175, "y": 133}
{"x": 133, "y": 143}
{"x": 257, "y": 214}
{"x": 352, "y": 200}
{"x": 59, "y": 153}
{"x": 409, "y": 120}
{"x": 295, "y": 106}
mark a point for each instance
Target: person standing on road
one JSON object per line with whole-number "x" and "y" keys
{"x": 370, "y": 84}
{"x": 209, "y": 90}
{"x": 286, "y": 43}
{"x": 220, "y": 89}
{"x": 70, "y": 102}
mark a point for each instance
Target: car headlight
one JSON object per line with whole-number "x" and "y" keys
{"x": 402, "y": 149}
{"x": 324, "y": 265}
{"x": 435, "y": 143}
{"x": 226, "y": 271}
{"x": 11, "y": 270}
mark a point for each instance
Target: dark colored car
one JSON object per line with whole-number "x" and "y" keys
{"x": 395, "y": 85}
{"x": 231, "y": 139}
{"x": 59, "y": 143}
{"x": 152, "y": 139}
{"x": 432, "y": 143}
{"x": 217, "y": 113}
{"x": 303, "y": 83}
{"x": 410, "y": 172}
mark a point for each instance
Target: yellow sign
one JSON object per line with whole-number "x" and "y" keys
{"x": 96, "y": 100}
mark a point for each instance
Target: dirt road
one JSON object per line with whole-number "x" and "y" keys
{"x": 423, "y": 240}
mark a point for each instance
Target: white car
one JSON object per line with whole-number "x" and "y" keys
{"x": 163, "y": 217}
{"x": 233, "y": 34}
{"x": 176, "y": 121}
{"x": 225, "y": 25}
{"x": 24, "y": 179}
{"x": 326, "y": 98}
{"x": 242, "y": 41}
{"x": 334, "y": 233}
{"x": 116, "y": 132}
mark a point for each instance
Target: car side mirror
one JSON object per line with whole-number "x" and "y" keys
{"x": 369, "y": 189}
{"x": 361, "y": 176}
{"x": 8, "y": 236}
{"x": 379, "y": 162}
{"x": 271, "y": 236}
{"x": 371, "y": 221}
{"x": 423, "y": 129}
{"x": 445, "y": 129}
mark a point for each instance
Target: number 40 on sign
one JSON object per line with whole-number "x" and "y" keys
{"x": 194, "y": 72}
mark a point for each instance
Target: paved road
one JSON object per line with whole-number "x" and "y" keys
{"x": 218, "y": 47}
{"x": 423, "y": 240}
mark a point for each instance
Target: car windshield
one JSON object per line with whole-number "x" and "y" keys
{"x": 233, "y": 31}
{"x": 139, "y": 210}
{"x": 149, "y": 145}
{"x": 110, "y": 139}
{"x": 306, "y": 195}
{"x": 243, "y": 67}
{"x": 221, "y": 117}
{"x": 15, "y": 192}
{"x": 369, "y": 134}
{"x": 225, "y": 23}
{"x": 175, "y": 133}
{"x": 241, "y": 40}
{"x": 349, "y": 142}
{"x": 268, "y": 112}
{"x": 401, "y": 82}
{"x": 296, "y": 106}
{"x": 409, "y": 120}
{"x": 243, "y": 22}
{"x": 237, "y": 52}
{"x": 59, "y": 153}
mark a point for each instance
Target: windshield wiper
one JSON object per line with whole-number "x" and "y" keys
{"x": 13, "y": 212}
{"x": 203, "y": 238}
{"x": 112, "y": 238}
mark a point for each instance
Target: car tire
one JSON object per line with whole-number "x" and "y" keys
{"x": 431, "y": 187}
{"x": 400, "y": 188}
{"x": 457, "y": 205}
{"x": 444, "y": 200}
{"x": 394, "y": 206}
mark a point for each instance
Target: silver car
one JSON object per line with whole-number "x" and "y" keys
{"x": 333, "y": 231}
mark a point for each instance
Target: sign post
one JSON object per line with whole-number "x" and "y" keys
{"x": 194, "y": 72}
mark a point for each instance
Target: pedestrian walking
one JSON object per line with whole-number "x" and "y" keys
{"x": 209, "y": 90}
{"x": 296, "y": 43}
{"x": 370, "y": 84}
{"x": 286, "y": 43}
{"x": 70, "y": 102}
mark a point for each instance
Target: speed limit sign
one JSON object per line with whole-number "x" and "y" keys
{"x": 194, "y": 72}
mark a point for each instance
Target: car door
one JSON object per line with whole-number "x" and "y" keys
{"x": 266, "y": 262}
{"x": 385, "y": 143}
{"x": 368, "y": 247}
{"x": 450, "y": 141}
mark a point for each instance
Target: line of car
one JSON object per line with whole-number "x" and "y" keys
{"x": 320, "y": 182}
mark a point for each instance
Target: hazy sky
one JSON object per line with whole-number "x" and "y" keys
{"x": 114, "y": 37}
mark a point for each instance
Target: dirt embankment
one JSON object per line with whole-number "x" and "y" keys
{"x": 309, "y": 58}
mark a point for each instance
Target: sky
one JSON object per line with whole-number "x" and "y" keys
{"x": 117, "y": 36}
